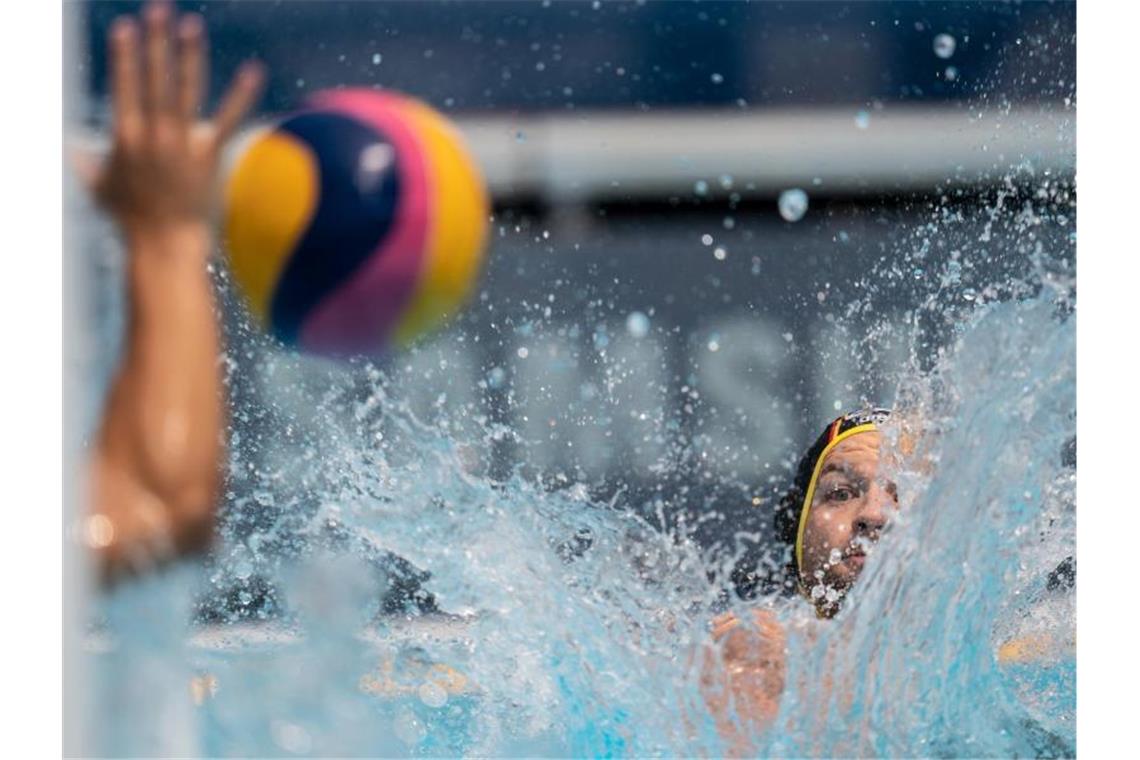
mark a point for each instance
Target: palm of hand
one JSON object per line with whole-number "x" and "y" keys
{"x": 164, "y": 160}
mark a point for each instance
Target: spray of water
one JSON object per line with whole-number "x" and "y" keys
{"x": 382, "y": 587}
{"x": 554, "y": 622}
{"x": 911, "y": 665}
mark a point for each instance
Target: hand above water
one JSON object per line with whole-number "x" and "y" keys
{"x": 162, "y": 170}
{"x": 156, "y": 462}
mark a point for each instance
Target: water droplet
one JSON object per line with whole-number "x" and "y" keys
{"x": 495, "y": 377}
{"x": 944, "y": 45}
{"x": 523, "y": 352}
{"x": 863, "y": 119}
{"x": 291, "y": 737}
{"x": 837, "y": 405}
{"x": 716, "y": 78}
{"x": 408, "y": 728}
{"x": 714, "y": 344}
{"x": 432, "y": 694}
{"x": 793, "y": 204}
{"x": 951, "y": 73}
{"x": 377, "y": 58}
{"x": 637, "y": 324}
{"x": 700, "y": 187}
{"x": 726, "y": 181}
{"x": 729, "y": 222}
{"x": 243, "y": 569}
{"x": 706, "y": 239}
{"x": 719, "y": 253}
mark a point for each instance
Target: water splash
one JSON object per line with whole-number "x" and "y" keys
{"x": 945, "y": 45}
{"x": 388, "y": 591}
{"x": 578, "y": 620}
{"x": 948, "y": 576}
{"x": 793, "y": 204}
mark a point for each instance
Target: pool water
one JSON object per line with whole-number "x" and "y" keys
{"x": 560, "y": 623}
{"x": 565, "y": 645}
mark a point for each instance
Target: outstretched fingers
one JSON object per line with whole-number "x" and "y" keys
{"x": 238, "y": 100}
{"x": 191, "y": 66}
{"x": 126, "y": 82}
{"x": 159, "y": 95}
{"x": 159, "y": 75}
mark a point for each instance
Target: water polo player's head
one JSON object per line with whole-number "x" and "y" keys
{"x": 837, "y": 506}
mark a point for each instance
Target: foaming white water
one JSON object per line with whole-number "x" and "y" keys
{"x": 580, "y": 620}
{"x": 574, "y": 622}
{"x": 930, "y": 655}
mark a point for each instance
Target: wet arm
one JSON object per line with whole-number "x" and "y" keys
{"x": 155, "y": 461}
{"x": 157, "y": 456}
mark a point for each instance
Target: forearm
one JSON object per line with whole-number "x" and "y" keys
{"x": 160, "y": 446}
{"x": 156, "y": 464}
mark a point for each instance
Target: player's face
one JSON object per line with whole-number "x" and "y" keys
{"x": 851, "y": 505}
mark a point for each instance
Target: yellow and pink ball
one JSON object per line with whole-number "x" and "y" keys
{"x": 356, "y": 224}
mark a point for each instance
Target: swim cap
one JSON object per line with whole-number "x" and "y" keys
{"x": 791, "y": 521}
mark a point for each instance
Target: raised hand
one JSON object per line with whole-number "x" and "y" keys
{"x": 156, "y": 466}
{"x": 163, "y": 166}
